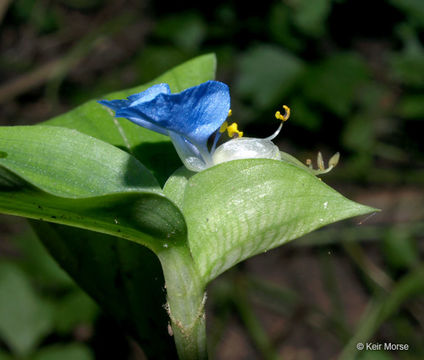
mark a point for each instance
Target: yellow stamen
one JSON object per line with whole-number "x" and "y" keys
{"x": 233, "y": 131}
{"x": 230, "y": 112}
{"x": 223, "y": 127}
{"x": 285, "y": 116}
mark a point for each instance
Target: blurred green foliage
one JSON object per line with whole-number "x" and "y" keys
{"x": 37, "y": 300}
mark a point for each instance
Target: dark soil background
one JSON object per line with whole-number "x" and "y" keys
{"x": 353, "y": 75}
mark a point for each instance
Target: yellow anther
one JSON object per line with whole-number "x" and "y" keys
{"x": 223, "y": 127}
{"x": 233, "y": 131}
{"x": 285, "y": 116}
{"x": 286, "y": 112}
{"x": 230, "y": 112}
{"x": 279, "y": 116}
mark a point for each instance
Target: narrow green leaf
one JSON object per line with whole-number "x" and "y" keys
{"x": 241, "y": 208}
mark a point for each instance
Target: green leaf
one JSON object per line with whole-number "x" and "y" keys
{"x": 73, "y": 179}
{"x": 241, "y": 208}
{"x": 24, "y": 317}
{"x": 124, "y": 278}
{"x": 153, "y": 150}
{"x": 66, "y": 163}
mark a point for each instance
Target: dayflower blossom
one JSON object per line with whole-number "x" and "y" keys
{"x": 192, "y": 117}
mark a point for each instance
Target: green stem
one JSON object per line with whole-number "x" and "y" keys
{"x": 186, "y": 302}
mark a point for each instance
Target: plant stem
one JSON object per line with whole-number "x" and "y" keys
{"x": 186, "y": 302}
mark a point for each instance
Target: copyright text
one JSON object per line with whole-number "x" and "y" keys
{"x": 382, "y": 346}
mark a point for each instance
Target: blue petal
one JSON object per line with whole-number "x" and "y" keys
{"x": 189, "y": 117}
{"x": 115, "y": 105}
{"x": 133, "y": 100}
{"x": 149, "y": 94}
{"x": 195, "y": 113}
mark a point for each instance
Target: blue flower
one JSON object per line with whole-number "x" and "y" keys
{"x": 189, "y": 118}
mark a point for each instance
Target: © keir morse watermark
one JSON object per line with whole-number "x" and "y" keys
{"x": 387, "y": 346}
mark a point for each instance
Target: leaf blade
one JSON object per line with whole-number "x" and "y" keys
{"x": 60, "y": 175}
{"x": 241, "y": 208}
{"x": 66, "y": 163}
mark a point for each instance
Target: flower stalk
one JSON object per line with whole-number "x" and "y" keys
{"x": 185, "y": 302}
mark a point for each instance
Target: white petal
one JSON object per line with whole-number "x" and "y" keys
{"x": 246, "y": 148}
